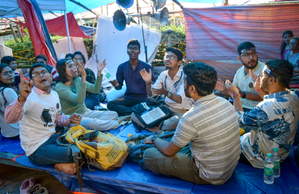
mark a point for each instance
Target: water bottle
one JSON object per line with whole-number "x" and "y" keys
{"x": 106, "y": 74}
{"x": 276, "y": 160}
{"x": 268, "y": 170}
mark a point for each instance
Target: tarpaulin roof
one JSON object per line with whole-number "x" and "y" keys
{"x": 10, "y": 8}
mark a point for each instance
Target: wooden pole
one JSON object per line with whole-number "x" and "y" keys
{"x": 20, "y": 34}
{"x": 13, "y": 33}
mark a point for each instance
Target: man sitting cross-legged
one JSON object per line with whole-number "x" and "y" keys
{"x": 170, "y": 83}
{"x": 273, "y": 122}
{"x": 38, "y": 109}
{"x": 205, "y": 148}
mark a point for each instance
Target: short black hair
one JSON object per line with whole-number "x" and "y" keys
{"x": 281, "y": 70}
{"x": 69, "y": 55}
{"x": 7, "y": 59}
{"x": 296, "y": 38}
{"x": 35, "y": 65}
{"x": 133, "y": 42}
{"x": 245, "y": 45}
{"x": 202, "y": 76}
{"x": 41, "y": 57}
{"x": 81, "y": 54}
{"x": 61, "y": 68}
{"x": 177, "y": 52}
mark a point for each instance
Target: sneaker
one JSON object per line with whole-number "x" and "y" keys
{"x": 27, "y": 185}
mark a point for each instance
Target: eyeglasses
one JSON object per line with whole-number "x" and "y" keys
{"x": 133, "y": 49}
{"x": 7, "y": 73}
{"x": 42, "y": 73}
{"x": 77, "y": 60}
{"x": 247, "y": 55}
{"x": 169, "y": 57}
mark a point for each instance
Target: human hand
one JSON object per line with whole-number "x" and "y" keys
{"x": 114, "y": 83}
{"x": 162, "y": 90}
{"x": 220, "y": 85}
{"x": 24, "y": 88}
{"x": 81, "y": 69}
{"x": 231, "y": 88}
{"x": 255, "y": 80}
{"x": 147, "y": 77}
{"x": 148, "y": 140}
{"x": 76, "y": 119}
{"x": 101, "y": 66}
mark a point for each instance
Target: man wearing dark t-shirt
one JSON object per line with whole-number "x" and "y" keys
{"x": 129, "y": 72}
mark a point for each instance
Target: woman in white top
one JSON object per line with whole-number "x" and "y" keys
{"x": 7, "y": 96}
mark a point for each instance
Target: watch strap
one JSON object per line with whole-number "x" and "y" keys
{"x": 243, "y": 94}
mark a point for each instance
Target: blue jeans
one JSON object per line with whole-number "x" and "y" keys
{"x": 50, "y": 153}
{"x": 92, "y": 100}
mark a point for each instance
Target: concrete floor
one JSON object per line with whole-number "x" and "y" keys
{"x": 14, "y": 176}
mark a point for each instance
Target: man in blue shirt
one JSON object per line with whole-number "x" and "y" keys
{"x": 273, "y": 122}
{"x": 130, "y": 73}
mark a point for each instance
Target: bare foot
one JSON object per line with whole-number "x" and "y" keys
{"x": 68, "y": 168}
{"x": 125, "y": 118}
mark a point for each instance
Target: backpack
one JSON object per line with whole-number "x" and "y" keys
{"x": 101, "y": 150}
{"x": 151, "y": 108}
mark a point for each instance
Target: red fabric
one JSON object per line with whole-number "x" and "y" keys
{"x": 57, "y": 26}
{"x": 215, "y": 33}
{"x": 35, "y": 31}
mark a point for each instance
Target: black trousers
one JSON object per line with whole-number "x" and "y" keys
{"x": 123, "y": 106}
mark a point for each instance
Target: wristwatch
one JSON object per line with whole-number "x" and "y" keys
{"x": 243, "y": 94}
{"x": 169, "y": 94}
{"x": 153, "y": 138}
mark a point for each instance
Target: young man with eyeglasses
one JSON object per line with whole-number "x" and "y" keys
{"x": 205, "y": 148}
{"x": 170, "y": 83}
{"x": 38, "y": 111}
{"x": 273, "y": 122}
{"x": 129, "y": 72}
{"x": 248, "y": 56}
{"x": 43, "y": 59}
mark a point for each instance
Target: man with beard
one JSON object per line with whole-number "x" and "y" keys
{"x": 129, "y": 72}
{"x": 170, "y": 83}
{"x": 205, "y": 148}
{"x": 248, "y": 56}
{"x": 273, "y": 122}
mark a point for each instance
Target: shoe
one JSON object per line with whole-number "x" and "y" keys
{"x": 27, "y": 185}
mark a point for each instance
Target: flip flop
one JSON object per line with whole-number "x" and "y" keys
{"x": 42, "y": 190}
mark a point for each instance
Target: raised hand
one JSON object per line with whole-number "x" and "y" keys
{"x": 255, "y": 80}
{"x": 101, "y": 66}
{"x": 76, "y": 119}
{"x": 24, "y": 88}
{"x": 147, "y": 77}
{"x": 220, "y": 85}
{"x": 114, "y": 83}
{"x": 81, "y": 70}
{"x": 232, "y": 89}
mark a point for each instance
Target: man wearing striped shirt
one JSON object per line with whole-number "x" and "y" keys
{"x": 205, "y": 148}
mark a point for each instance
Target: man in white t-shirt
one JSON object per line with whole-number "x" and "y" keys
{"x": 248, "y": 56}
{"x": 39, "y": 111}
{"x": 170, "y": 83}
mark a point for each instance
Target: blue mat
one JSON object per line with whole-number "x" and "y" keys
{"x": 132, "y": 179}
{"x": 10, "y": 146}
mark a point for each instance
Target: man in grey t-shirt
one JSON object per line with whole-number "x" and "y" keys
{"x": 205, "y": 148}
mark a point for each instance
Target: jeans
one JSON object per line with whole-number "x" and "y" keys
{"x": 181, "y": 165}
{"x": 123, "y": 106}
{"x": 50, "y": 153}
{"x": 92, "y": 100}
